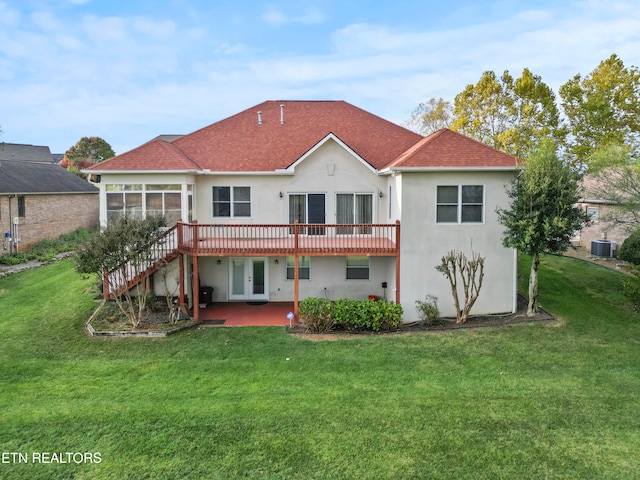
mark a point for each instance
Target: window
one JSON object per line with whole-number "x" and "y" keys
{"x": 460, "y": 204}
{"x": 304, "y": 268}
{"x": 21, "y": 209}
{"x": 164, "y": 200}
{"x": 307, "y": 208}
{"x": 594, "y": 214}
{"x": 124, "y": 199}
{"x": 358, "y": 268}
{"x": 231, "y": 201}
{"x": 354, "y": 208}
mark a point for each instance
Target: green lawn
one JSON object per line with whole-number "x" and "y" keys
{"x": 527, "y": 401}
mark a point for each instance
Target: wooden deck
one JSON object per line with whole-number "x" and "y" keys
{"x": 296, "y": 239}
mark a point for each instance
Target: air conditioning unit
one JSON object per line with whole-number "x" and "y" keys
{"x": 603, "y": 248}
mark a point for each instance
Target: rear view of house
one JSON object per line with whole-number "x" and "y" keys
{"x": 291, "y": 199}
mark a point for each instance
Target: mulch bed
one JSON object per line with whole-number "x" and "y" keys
{"x": 488, "y": 321}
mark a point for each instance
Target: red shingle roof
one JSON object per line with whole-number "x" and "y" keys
{"x": 152, "y": 156}
{"x": 448, "y": 149}
{"x": 241, "y": 143}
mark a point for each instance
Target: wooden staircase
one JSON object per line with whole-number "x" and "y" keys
{"x": 131, "y": 273}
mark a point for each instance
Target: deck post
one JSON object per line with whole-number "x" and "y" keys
{"x": 180, "y": 233}
{"x": 105, "y": 284}
{"x": 398, "y": 261}
{"x": 296, "y": 292}
{"x": 296, "y": 279}
{"x": 196, "y": 290}
{"x": 181, "y": 264}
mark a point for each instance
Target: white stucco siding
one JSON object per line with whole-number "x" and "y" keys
{"x": 424, "y": 242}
{"x": 329, "y": 170}
{"x": 325, "y": 272}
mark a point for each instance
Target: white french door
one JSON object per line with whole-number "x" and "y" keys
{"x": 248, "y": 278}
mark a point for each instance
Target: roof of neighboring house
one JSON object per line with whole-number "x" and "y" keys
{"x": 25, "y": 153}
{"x": 24, "y": 169}
{"x": 273, "y": 135}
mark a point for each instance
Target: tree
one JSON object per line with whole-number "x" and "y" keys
{"x": 124, "y": 248}
{"x": 512, "y": 115}
{"x": 430, "y": 117}
{"x": 602, "y": 109}
{"x": 93, "y": 149}
{"x": 542, "y": 216}
{"x": 619, "y": 185}
{"x": 471, "y": 272}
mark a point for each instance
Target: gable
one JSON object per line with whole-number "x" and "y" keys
{"x": 153, "y": 156}
{"x": 446, "y": 149}
{"x": 328, "y": 140}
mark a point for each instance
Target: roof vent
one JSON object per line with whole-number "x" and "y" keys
{"x": 259, "y": 118}
{"x": 282, "y": 114}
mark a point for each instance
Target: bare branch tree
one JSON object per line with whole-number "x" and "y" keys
{"x": 471, "y": 273}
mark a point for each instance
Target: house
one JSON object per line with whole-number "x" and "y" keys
{"x": 291, "y": 199}
{"x": 602, "y": 236}
{"x": 40, "y": 200}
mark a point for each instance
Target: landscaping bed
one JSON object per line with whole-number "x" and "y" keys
{"x": 109, "y": 321}
{"x": 446, "y": 324}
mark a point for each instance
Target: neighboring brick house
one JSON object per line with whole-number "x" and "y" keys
{"x": 40, "y": 200}
{"x": 600, "y": 229}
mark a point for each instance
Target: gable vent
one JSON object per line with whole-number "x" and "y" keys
{"x": 282, "y": 114}
{"x": 259, "y": 118}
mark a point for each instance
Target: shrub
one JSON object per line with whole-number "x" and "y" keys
{"x": 315, "y": 315}
{"x": 320, "y": 315}
{"x": 630, "y": 249}
{"x": 631, "y": 288}
{"x": 367, "y": 315}
{"x": 428, "y": 310}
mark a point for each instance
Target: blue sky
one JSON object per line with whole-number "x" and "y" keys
{"x": 129, "y": 70}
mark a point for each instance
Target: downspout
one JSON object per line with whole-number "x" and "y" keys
{"x": 514, "y": 307}
{"x": 11, "y": 237}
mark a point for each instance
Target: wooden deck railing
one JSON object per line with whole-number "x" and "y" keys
{"x": 140, "y": 265}
{"x": 288, "y": 239}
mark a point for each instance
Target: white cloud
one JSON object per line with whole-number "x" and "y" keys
{"x": 276, "y": 18}
{"x": 129, "y": 78}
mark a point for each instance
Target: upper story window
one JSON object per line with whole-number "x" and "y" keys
{"x": 354, "y": 208}
{"x": 164, "y": 200}
{"x": 231, "y": 201}
{"x": 594, "y": 214}
{"x": 124, "y": 199}
{"x": 460, "y": 204}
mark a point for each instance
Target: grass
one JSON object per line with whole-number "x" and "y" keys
{"x": 529, "y": 401}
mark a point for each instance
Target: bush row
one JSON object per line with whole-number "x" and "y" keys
{"x": 321, "y": 315}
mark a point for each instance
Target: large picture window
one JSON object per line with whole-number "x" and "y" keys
{"x": 460, "y": 204}
{"x": 231, "y": 201}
